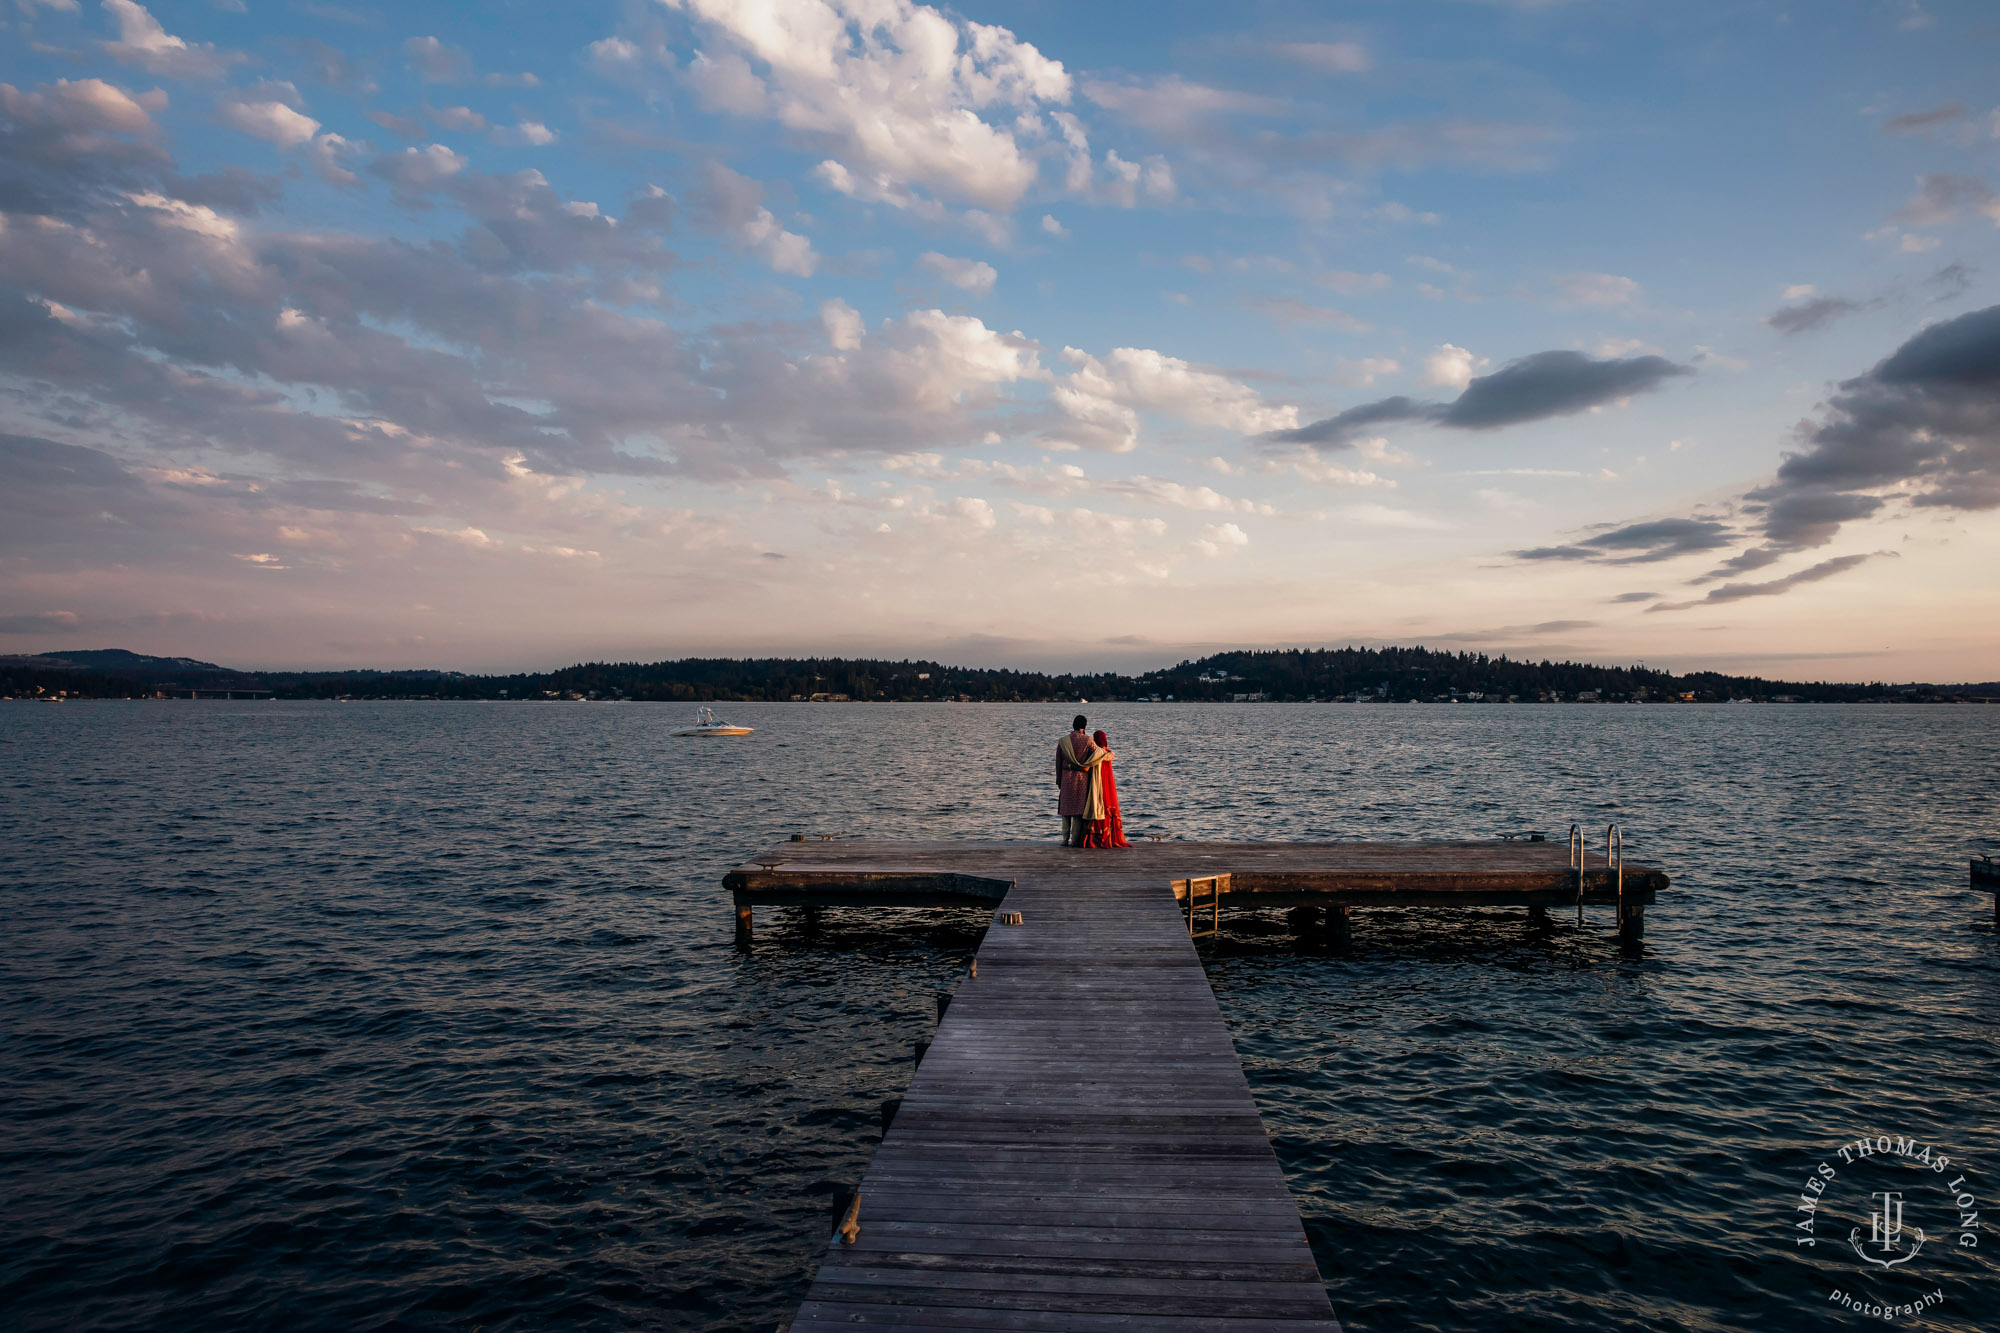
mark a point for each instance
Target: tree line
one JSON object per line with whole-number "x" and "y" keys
{"x": 1392, "y": 674}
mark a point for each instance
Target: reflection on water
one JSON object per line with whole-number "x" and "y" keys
{"x": 332, "y": 1016}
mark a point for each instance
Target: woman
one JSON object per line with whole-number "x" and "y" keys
{"x": 1109, "y": 830}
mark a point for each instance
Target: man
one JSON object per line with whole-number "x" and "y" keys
{"x": 1076, "y": 756}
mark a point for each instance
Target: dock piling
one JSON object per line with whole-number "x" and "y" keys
{"x": 1340, "y": 927}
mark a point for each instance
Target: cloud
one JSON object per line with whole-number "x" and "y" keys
{"x": 527, "y": 134}
{"x": 1353, "y": 284}
{"x": 1364, "y": 371}
{"x": 436, "y": 61}
{"x": 1100, "y": 400}
{"x": 84, "y": 106}
{"x": 1923, "y": 425}
{"x": 415, "y": 173}
{"x": 143, "y": 42}
{"x": 273, "y": 122}
{"x": 461, "y": 118}
{"x": 897, "y": 94}
{"x": 1736, "y": 592}
{"x": 1912, "y": 121}
{"x": 1291, "y": 311}
{"x": 1641, "y": 543}
{"x": 1326, "y": 57}
{"x": 1813, "y": 313}
{"x": 331, "y": 156}
{"x": 1053, "y": 227}
{"x": 1451, "y": 367}
{"x": 967, "y": 274}
{"x": 1533, "y": 388}
{"x": 1921, "y": 429}
{"x": 1219, "y": 538}
{"x": 1598, "y": 290}
{"x": 40, "y": 622}
{"x": 1550, "y": 384}
{"x": 1173, "y": 106}
{"x": 733, "y": 204}
{"x": 1939, "y": 199}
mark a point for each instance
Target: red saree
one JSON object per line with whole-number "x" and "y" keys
{"x": 1110, "y": 830}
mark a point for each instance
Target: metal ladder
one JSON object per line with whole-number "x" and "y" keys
{"x": 1215, "y": 885}
{"x": 1614, "y": 860}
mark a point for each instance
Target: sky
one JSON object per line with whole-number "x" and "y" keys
{"x": 503, "y": 336}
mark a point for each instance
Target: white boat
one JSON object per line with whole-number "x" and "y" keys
{"x": 706, "y": 725}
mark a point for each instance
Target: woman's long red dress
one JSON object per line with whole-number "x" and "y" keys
{"x": 1110, "y": 830}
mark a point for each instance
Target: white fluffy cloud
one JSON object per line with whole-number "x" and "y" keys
{"x": 273, "y": 122}
{"x": 1101, "y": 399}
{"x": 84, "y": 106}
{"x": 896, "y": 93}
{"x": 143, "y": 42}
{"x": 1451, "y": 367}
{"x": 1220, "y": 538}
{"x": 967, "y": 274}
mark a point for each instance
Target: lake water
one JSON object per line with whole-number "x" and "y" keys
{"x": 347, "y": 1016}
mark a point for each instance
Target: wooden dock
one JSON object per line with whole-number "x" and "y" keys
{"x": 1332, "y": 876}
{"x": 1078, "y": 1148}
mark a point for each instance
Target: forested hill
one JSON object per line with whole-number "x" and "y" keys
{"x": 1386, "y": 674}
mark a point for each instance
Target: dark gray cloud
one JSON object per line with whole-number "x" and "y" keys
{"x": 1635, "y": 597}
{"x": 1553, "y": 384}
{"x": 1912, "y": 121}
{"x": 1924, "y": 423}
{"x": 1951, "y": 280}
{"x": 1814, "y": 313}
{"x": 1534, "y": 388}
{"x": 1921, "y": 428}
{"x": 1640, "y": 543}
{"x": 1736, "y": 592}
{"x": 1340, "y": 429}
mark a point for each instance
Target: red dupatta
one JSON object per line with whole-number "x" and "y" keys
{"x": 1110, "y": 830}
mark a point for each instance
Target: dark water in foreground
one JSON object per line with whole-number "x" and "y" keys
{"x": 356, "y": 1016}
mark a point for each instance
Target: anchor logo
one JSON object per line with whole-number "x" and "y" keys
{"x": 1886, "y": 1232}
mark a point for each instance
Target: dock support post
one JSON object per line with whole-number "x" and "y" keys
{"x": 1538, "y": 917}
{"x": 1632, "y": 924}
{"x": 1340, "y": 927}
{"x": 1305, "y": 924}
{"x": 812, "y": 918}
{"x": 743, "y": 924}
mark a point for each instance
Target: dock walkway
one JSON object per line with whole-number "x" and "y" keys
{"x": 1078, "y": 1149}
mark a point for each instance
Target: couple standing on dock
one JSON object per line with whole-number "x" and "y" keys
{"x": 1086, "y": 791}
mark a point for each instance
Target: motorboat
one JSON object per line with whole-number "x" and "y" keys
{"x": 706, "y": 725}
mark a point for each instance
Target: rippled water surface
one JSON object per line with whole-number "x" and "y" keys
{"x": 352, "y": 1016}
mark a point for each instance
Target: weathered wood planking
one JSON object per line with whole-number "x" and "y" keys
{"x": 1277, "y": 874}
{"x": 1078, "y": 1150}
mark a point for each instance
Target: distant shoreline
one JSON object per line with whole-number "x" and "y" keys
{"x": 1335, "y": 675}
